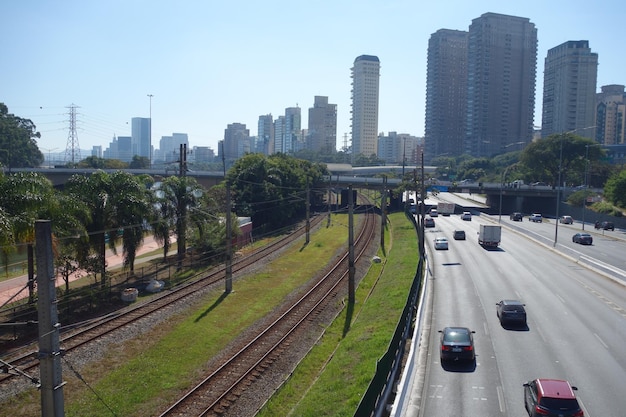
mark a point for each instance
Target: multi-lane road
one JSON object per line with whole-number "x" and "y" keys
{"x": 576, "y": 319}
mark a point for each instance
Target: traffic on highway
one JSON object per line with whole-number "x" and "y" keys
{"x": 573, "y": 329}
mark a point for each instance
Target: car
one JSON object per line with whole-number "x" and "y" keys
{"x": 466, "y": 216}
{"x": 413, "y": 209}
{"x": 583, "y": 238}
{"x": 535, "y": 217}
{"x": 459, "y": 235}
{"x": 566, "y": 220}
{"x": 457, "y": 343}
{"x": 516, "y": 217}
{"x": 433, "y": 213}
{"x": 441, "y": 243}
{"x": 551, "y": 397}
{"x": 429, "y": 222}
{"x": 606, "y": 226}
{"x": 511, "y": 311}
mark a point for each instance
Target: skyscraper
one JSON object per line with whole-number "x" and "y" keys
{"x": 140, "y": 132}
{"x": 265, "y": 134}
{"x": 446, "y": 94}
{"x": 569, "y": 89}
{"x": 502, "y": 67}
{"x": 323, "y": 126}
{"x": 365, "y": 92}
{"x": 611, "y": 115}
{"x": 236, "y": 141}
{"x": 287, "y": 131}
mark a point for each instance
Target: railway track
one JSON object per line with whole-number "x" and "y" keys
{"x": 25, "y": 358}
{"x": 222, "y": 386}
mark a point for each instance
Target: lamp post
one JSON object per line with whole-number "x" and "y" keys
{"x": 150, "y": 128}
{"x": 558, "y": 188}
{"x": 501, "y": 187}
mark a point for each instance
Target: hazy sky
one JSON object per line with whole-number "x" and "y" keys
{"x": 209, "y": 63}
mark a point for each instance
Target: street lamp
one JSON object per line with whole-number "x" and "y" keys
{"x": 501, "y": 187}
{"x": 558, "y": 188}
{"x": 150, "y": 128}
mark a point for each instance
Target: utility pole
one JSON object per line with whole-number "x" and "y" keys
{"x": 383, "y": 212}
{"x": 229, "y": 234}
{"x": 308, "y": 213}
{"x": 351, "y": 289}
{"x": 49, "y": 345}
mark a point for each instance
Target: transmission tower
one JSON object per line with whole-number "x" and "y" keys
{"x": 72, "y": 149}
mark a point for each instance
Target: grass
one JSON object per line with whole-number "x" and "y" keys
{"x": 138, "y": 377}
{"x": 331, "y": 380}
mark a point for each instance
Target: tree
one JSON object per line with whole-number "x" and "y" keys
{"x": 272, "y": 189}
{"x": 139, "y": 162}
{"x": 101, "y": 163}
{"x": 175, "y": 198}
{"x": 543, "y": 157}
{"x": 117, "y": 202}
{"x": 615, "y": 189}
{"x": 18, "y": 145}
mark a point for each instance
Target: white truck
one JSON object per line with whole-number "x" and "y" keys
{"x": 445, "y": 209}
{"x": 489, "y": 235}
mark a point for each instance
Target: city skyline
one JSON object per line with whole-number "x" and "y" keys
{"x": 197, "y": 72}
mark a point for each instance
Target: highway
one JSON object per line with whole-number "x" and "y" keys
{"x": 576, "y": 319}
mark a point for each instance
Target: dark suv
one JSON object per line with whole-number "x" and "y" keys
{"x": 551, "y": 397}
{"x": 516, "y": 217}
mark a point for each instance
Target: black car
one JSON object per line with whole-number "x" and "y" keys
{"x": 607, "y": 226}
{"x": 516, "y": 217}
{"x": 429, "y": 222}
{"x": 459, "y": 235}
{"x": 582, "y": 238}
{"x": 457, "y": 343}
{"x": 511, "y": 311}
{"x": 551, "y": 397}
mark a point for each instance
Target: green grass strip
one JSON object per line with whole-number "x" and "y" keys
{"x": 331, "y": 380}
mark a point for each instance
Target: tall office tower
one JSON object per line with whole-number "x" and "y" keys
{"x": 569, "y": 89}
{"x": 265, "y": 135}
{"x": 140, "y": 132}
{"x": 502, "y": 69}
{"x": 322, "y": 126}
{"x": 611, "y": 115}
{"x": 446, "y": 94}
{"x": 236, "y": 141}
{"x": 365, "y": 92}
{"x": 287, "y": 131}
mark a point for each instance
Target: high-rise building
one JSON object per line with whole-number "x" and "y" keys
{"x": 322, "y": 131}
{"x": 569, "y": 89}
{"x": 611, "y": 115}
{"x": 365, "y": 93}
{"x": 265, "y": 135}
{"x": 236, "y": 141}
{"x": 446, "y": 94}
{"x": 399, "y": 148}
{"x": 141, "y": 136}
{"x": 287, "y": 131}
{"x": 502, "y": 67}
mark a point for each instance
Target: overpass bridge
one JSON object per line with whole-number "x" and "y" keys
{"x": 523, "y": 198}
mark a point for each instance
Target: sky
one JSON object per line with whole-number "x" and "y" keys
{"x": 208, "y": 64}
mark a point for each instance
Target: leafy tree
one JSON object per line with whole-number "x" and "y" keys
{"x": 101, "y": 163}
{"x": 18, "y": 144}
{"x": 362, "y": 160}
{"x": 272, "y": 190}
{"x": 542, "y": 158}
{"x": 615, "y": 189}
{"x": 175, "y": 198}
{"x": 117, "y": 201}
{"x": 139, "y": 162}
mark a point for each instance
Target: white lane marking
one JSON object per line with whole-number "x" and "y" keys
{"x": 560, "y": 298}
{"x": 601, "y": 341}
{"x": 501, "y": 399}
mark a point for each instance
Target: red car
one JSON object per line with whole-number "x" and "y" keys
{"x": 551, "y": 397}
